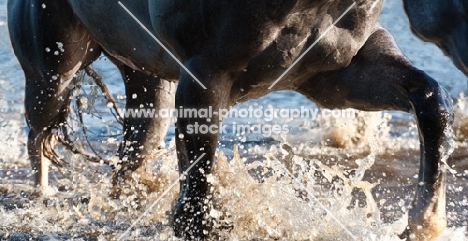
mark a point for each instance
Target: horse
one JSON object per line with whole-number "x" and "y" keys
{"x": 221, "y": 52}
{"x": 444, "y": 23}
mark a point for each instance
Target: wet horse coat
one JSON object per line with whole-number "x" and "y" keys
{"x": 443, "y": 22}
{"x": 237, "y": 49}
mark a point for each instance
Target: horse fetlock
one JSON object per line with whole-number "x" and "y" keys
{"x": 130, "y": 177}
{"x": 190, "y": 219}
{"x": 428, "y": 220}
{"x": 429, "y": 227}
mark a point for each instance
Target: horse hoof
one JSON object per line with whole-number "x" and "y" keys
{"x": 420, "y": 233}
{"x": 189, "y": 222}
{"x": 405, "y": 235}
{"x": 428, "y": 220}
{"x": 41, "y": 191}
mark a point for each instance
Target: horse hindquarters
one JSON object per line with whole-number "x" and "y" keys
{"x": 380, "y": 78}
{"x": 51, "y": 45}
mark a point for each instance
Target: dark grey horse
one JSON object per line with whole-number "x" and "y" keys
{"x": 443, "y": 22}
{"x": 236, "y": 49}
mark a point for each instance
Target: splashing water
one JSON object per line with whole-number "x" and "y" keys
{"x": 281, "y": 208}
{"x": 292, "y": 191}
{"x": 255, "y": 200}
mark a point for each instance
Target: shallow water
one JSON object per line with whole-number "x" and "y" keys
{"x": 351, "y": 178}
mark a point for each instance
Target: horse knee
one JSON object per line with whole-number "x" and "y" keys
{"x": 432, "y": 107}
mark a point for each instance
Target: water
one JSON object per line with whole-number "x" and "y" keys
{"x": 363, "y": 171}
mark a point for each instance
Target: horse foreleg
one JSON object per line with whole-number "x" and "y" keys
{"x": 433, "y": 110}
{"x": 380, "y": 78}
{"x": 196, "y": 140}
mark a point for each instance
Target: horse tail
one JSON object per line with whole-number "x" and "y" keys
{"x": 59, "y": 131}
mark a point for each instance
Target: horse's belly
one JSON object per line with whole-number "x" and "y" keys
{"x": 237, "y": 40}
{"x": 123, "y": 38}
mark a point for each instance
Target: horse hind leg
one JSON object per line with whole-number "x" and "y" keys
{"x": 46, "y": 118}
{"x": 43, "y": 114}
{"x": 46, "y": 108}
{"x": 41, "y": 143}
{"x": 380, "y": 78}
{"x": 55, "y": 46}
{"x": 39, "y": 169}
{"x": 144, "y": 130}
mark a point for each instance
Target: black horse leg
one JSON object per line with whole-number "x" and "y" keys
{"x": 39, "y": 167}
{"x": 196, "y": 140}
{"x": 144, "y": 129}
{"x": 51, "y": 45}
{"x": 380, "y": 78}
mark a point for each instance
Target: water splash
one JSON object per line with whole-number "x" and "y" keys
{"x": 253, "y": 198}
